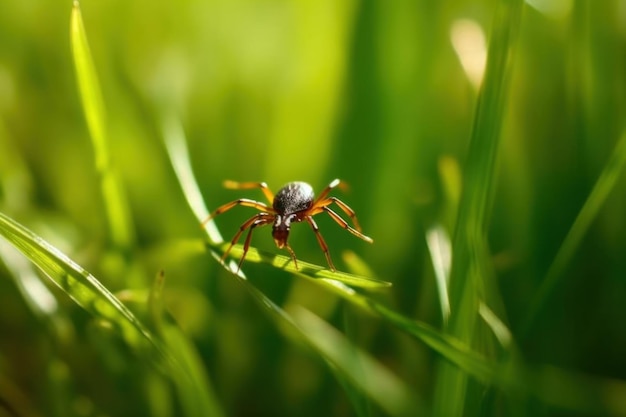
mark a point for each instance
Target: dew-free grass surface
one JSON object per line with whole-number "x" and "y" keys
{"x": 483, "y": 145}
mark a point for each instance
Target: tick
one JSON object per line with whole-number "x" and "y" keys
{"x": 293, "y": 203}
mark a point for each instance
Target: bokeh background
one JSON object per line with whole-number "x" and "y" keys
{"x": 381, "y": 94}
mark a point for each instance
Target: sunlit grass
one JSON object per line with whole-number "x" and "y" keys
{"x": 118, "y": 216}
{"x": 494, "y": 284}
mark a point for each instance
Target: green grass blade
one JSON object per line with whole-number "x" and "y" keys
{"x": 176, "y": 145}
{"x": 305, "y": 269}
{"x": 513, "y": 376}
{"x": 196, "y": 394}
{"x": 36, "y": 295}
{"x": 601, "y": 190}
{"x": 117, "y": 212}
{"x": 481, "y": 161}
{"x": 469, "y": 247}
{"x": 80, "y": 286}
{"x": 439, "y": 248}
{"x": 564, "y": 390}
{"x": 291, "y": 328}
{"x": 383, "y": 387}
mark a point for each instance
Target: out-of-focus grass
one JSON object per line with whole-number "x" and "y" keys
{"x": 388, "y": 96}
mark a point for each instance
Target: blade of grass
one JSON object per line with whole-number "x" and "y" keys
{"x": 196, "y": 394}
{"x": 510, "y": 375}
{"x": 172, "y": 351}
{"x": 383, "y": 387}
{"x": 565, "y": 390}
{"x": 176, "y": 145}
{"x": 469, "y": 246}
{"x": 351, "y": 323}
{"x": 116, "y": 207}
{"x": 82, "y": 287}
{"x": 601, "y": 190}
{"x": 36, "y": 295}
{"x": 305, "y": 269}
{"x": 440, "y": 251}
{"x": 607, "y": 396}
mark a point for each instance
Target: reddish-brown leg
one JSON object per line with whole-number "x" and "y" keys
{"x": 321, "y": 242}
{"x": 322, "y": 195}
{"x": 293, "y": 255}
{"x": 341, "y": 222}
{"x": 343, "y": 206}
{"x": 258, "y": 222}
{"x": 234, "y": 185}
{"x": 265, "y": 217}
{"x": 241, "y": 202}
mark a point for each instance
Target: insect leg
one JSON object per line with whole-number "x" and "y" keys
{"x": 248, "y": 223}
{"x": 240, "y": 202}
{"x": 341, "y": 222}
{"x": 334, "y": 183}
{"x": 234, "y": 185}
{"x": 293, "y": 255}
{"x": 343, "y": 206}
{"x": 260, "y": 221}
{"x": 321, "y": 242}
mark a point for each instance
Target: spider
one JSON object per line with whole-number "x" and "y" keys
{"x": 294, "y": 202}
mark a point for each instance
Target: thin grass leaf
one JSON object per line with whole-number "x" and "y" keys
{"x": 176, "y": 145}
{"x": 81, "y": 286}
{"x": 497, "y": 326}
{"x": 600, "y": 192}
{"x": 36, "y": 295}
{"x": 304, "y": 269}
{"x": 349, "y": 376}
{"x": 196, "y": 394}
{"x": 286, "y": 323}
{"x": 469, "y": 246}
{"x": 361, "y": 403}
{"x": 481, "y": 161}
{"x": 514, "y": 377}
{"x": 574, "y": 392}
{"x": 439, "y": 248}
{"x": 383, "y": 387}
{"x": 117, "y": 212}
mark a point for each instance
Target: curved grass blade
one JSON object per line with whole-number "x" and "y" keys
{"x": 196, "y": 394}
{"x": 305, "y": 269}
{"x": 545, "y": 384}
{"x": 343, "y": 370}
{"x": 467, "y": 280}
{"x": 116, "y": 206}
{"x": 601, "y": 190}
{"x": 362, "y": 371}
{"x": 176, "y": 145}
{"x": 81, "y": 286}
{"x": 439, "y": 248}
{"x": 565, "y": 390}
{"x": 36, "y": 295}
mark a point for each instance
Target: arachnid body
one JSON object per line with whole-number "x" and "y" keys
{"x": 293, "y": 203}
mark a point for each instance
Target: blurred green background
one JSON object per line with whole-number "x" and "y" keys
{"x": 381, "y": 94}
